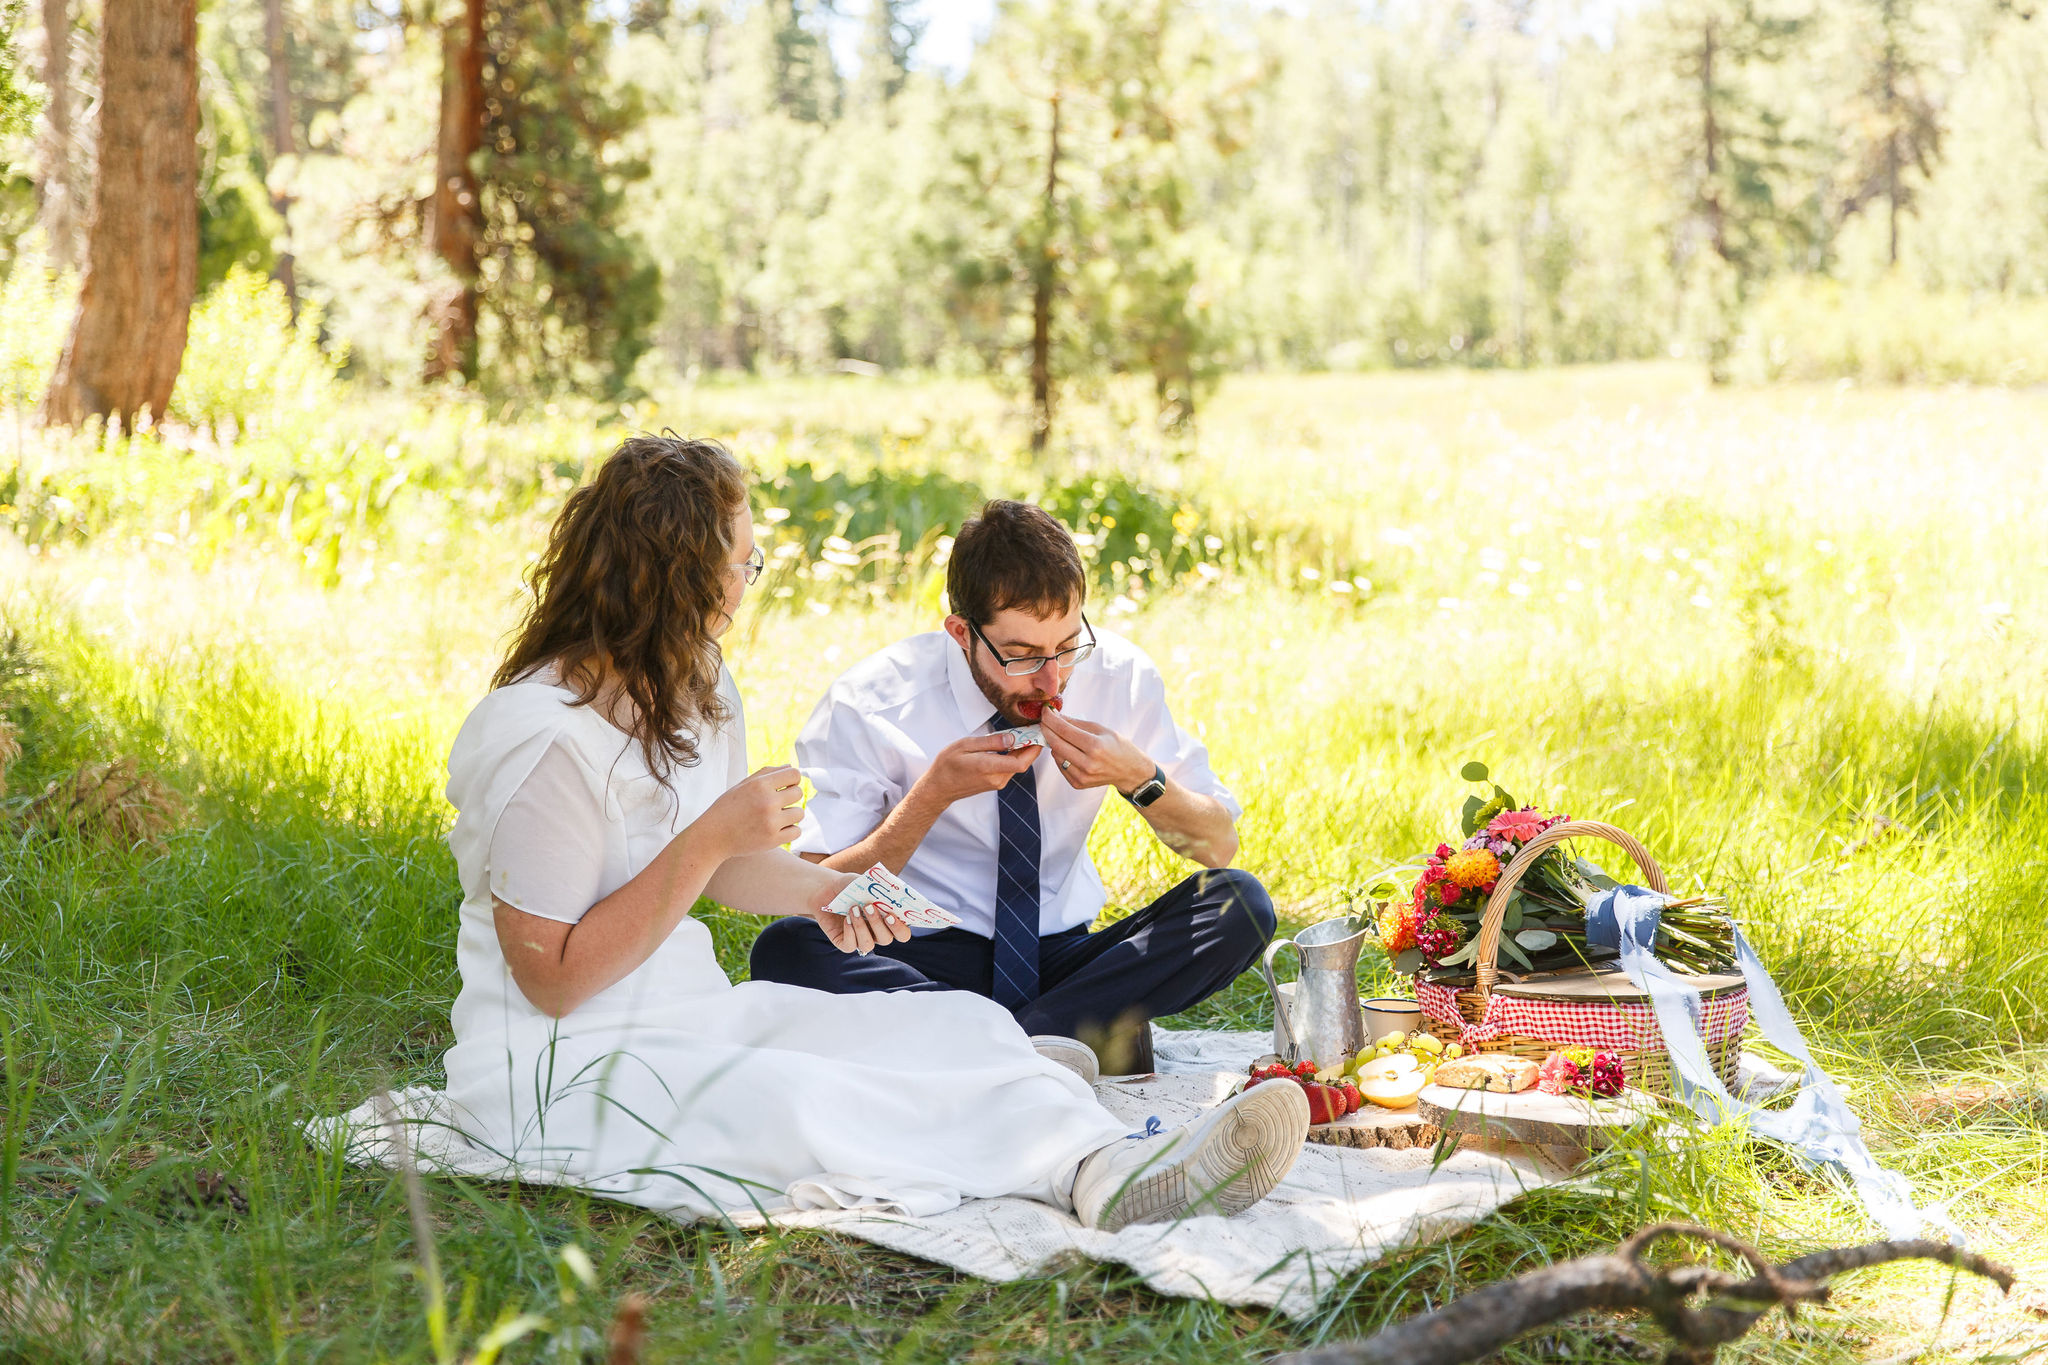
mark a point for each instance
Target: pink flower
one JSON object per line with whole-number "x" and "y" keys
{"x": 1558, "y": 1075}
{"x": 1518, "y": 825}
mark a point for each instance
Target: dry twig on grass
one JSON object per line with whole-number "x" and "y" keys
{"x": 1487, "y": 1319}
{"x": 10, "y": 749}
{"x": 118, "y": 802}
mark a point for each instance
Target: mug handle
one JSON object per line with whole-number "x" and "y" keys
{"x": 1279, "y": 1004}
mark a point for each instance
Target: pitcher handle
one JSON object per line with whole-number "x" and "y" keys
{"x": 1279, "y": 1004}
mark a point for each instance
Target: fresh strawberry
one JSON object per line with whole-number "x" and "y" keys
{"x": 1253, "y": 1080}
{"x": 1325, "y": 1104}
{"x": 1352, "y": 1097}
{"x": 1305, "y": 1067}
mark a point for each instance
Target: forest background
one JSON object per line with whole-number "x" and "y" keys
{"x": 652, "y": 190}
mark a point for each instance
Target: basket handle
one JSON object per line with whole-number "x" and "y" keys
{"x": 1525, "y": 858}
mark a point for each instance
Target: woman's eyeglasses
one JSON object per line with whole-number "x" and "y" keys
{"x": 1020, "y": 668}
{"x": 751, "y": 570}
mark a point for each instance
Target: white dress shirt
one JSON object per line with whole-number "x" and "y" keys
{"x": 882, "y": 721}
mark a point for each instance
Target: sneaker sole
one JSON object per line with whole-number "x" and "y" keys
{"x": 1074, "y": 1056}
{"x": 1236, "y": 1163}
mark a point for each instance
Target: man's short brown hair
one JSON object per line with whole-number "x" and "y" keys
{"x": 1014, "y": 555}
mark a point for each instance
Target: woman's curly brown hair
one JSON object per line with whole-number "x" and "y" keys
{"x": 631, "y": 587}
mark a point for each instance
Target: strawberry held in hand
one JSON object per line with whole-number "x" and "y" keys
{"x": 1033, "y": 710}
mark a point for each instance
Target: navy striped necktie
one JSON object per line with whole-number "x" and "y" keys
{"x": 1016, "y": 927}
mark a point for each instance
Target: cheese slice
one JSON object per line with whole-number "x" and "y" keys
{"x": 1498, "y": 1071}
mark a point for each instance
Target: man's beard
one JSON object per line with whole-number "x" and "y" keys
{"x": 1005, "y": 705}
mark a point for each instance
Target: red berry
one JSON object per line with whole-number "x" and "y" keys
{"x": 1352, "y": 1098}
{"x": 1254, "y": 1080}
{"x": 1304, "y": 1068}
{"x": 1325, "y": 1104}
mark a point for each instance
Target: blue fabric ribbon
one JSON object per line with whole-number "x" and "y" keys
{"x": 1819, "y": 1127}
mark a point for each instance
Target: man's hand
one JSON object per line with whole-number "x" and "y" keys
{"x": 1091, "y": 755}
{"x": 862, "y": 931}
{"x": 968, "y": 767}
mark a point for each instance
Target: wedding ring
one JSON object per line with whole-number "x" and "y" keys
{"x": 1066, "y": 763}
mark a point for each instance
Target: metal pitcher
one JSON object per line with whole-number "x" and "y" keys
{"x": 1324, "y": 1023}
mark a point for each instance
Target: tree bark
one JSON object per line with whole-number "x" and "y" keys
{"x": 283, "y": 144}
{"x": 1044, "y": 278}
{"x": 58, "y": 207}
{"x": 454, "y": 217}
{"x": 142, "y": 242}
{"x": 1710, "y": 136}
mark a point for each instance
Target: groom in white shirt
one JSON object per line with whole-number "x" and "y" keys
{"x": 912, "y": 767}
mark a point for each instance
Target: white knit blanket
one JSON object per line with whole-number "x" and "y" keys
{"x": 1339, "y": 1209}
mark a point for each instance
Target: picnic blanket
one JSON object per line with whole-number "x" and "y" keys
{"x": 1339, "y": 1209}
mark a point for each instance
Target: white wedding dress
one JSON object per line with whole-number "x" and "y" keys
{"x": 676, "y": 1089}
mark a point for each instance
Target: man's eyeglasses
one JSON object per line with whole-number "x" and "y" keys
{"x": 754, "y": 564}
{"x": 1020, "y": 668}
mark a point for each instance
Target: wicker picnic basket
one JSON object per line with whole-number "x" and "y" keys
{"x": 1535, "y": 1015}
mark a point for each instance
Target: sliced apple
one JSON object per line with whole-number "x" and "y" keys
{"x": 1393, "y": 1092}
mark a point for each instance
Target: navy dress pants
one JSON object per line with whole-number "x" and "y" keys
{"x": 1182, "y": 948}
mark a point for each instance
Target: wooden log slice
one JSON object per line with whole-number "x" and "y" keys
{"x": 1534, "y": 1118}
{"x": 1372, "y": 1126}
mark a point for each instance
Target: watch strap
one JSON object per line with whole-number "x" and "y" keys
{"x": 1149, "y": 790}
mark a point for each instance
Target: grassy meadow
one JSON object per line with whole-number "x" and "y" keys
{"x": 1794, "y": 637}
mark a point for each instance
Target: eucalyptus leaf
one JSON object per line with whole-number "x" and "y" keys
{"x": 1463, "y": 955}
{"x": 1469, "y": 820}
{"x": 1507, "y": 945}
{"x": 1511, "y": 919}
{"x": 1474, "y": 772}
{"x": 1408, "y": 961}
{"x": 1536, "y": 940}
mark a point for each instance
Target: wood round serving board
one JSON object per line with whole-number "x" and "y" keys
{"x": 1566, "y": 1126}
{"x": 1372, "y": 1126}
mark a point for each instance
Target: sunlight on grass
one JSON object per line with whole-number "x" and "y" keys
{"x": 1795, "y": 639}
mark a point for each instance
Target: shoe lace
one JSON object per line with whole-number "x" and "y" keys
{"x": 1153, "y": 1128}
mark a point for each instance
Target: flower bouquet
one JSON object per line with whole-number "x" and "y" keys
{"x": 1433, "y": 932}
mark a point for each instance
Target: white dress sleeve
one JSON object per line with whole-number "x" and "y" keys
{"x": 547, "y": 852}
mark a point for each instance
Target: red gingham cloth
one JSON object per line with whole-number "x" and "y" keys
{"x": 1614, "y": 1025}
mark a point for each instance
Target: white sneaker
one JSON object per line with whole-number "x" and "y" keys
{"x": 1074, "y": 1055}
{"x": 1224, "y": 1162}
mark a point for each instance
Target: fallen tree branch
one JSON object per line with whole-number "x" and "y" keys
{"x": 1487, "y": 1319}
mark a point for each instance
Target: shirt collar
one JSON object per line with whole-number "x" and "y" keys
{"x": 975, "y": 708}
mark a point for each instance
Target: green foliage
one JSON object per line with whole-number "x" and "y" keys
{"x": 245, "y": 364}
{"x": 571, "y": 294}
{"x": 16, "y": 107}
{"x": 36, "y": 306}
{"x": 1893, "y": 332}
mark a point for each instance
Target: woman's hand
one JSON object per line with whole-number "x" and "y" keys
{"x": 866, "y": 929}
{"x": 757, "y": 813}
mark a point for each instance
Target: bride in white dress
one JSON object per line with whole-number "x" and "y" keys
{"x": 600, "y": 790}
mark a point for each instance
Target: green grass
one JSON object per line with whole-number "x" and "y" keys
{"x": 1745, "y": 625}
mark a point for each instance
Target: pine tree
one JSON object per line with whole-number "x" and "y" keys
{"x": 1724, "y": 147}
{"x": 1891, "y": 123}
{"x": 888, "y": 34}
{"x": 571, "y": 292}
{"x": 142, "y": 241}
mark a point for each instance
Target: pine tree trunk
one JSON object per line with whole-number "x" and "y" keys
{"x": 455, "y": 214}
{"x": 142, "y": 243}
{"x": 1044, "y": 278}
{"x": 58, "y": 208}
{"x": 1710, "y": 136}
{"x": 282, "y": 142}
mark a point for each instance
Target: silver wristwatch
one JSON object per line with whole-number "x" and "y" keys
{"x": 1150, "y": 790}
